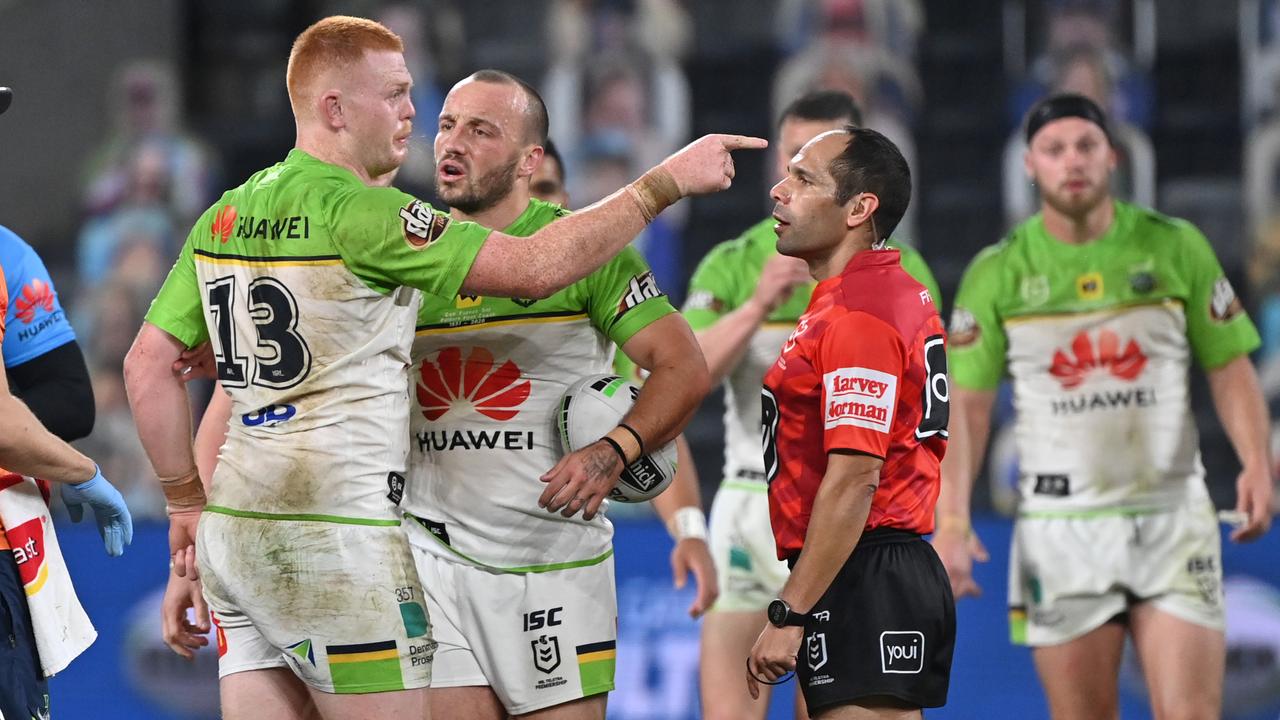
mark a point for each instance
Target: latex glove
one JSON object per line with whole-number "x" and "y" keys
{"x": 112, "y": 515}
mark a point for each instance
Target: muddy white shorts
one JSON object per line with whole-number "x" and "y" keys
{"x": 741, "y": 543}
{"x": 1069, "y": 575}
{"x": 338, "y": 604}
{"x": 537, "y": 639}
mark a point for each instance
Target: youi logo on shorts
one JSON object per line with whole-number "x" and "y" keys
{"x": 860, "y": 397}
{"x": 902, "y": 651}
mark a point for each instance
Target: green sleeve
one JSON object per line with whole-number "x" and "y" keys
{"x": 913, "y": 262}
{"x": 1218, "y": 328}
{"x": 713, "y": 290}
{"x": 624, "y": 297}
{"x": 389, "y": 239}
{"x": 976, "y": 339}
{"x": 176, "y": 308}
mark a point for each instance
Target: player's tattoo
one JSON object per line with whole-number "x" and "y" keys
{"x": 602, "y": 463}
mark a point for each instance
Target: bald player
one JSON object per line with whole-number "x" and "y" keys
{"x": 303, "y": 279}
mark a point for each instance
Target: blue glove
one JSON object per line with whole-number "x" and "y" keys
{"x": 114, "y": 523}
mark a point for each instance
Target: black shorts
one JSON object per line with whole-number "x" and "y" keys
{"x": 24, "y": 691}
{"x": 886, "y": 626}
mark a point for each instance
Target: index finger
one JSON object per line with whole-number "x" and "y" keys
{"x": 742, "y": 142}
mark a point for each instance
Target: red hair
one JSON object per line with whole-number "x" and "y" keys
{"x": 334, "y": 42}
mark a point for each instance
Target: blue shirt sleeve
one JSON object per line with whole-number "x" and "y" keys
{"x": 35, "y": 321}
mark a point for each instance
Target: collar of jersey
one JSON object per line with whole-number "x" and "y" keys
{"x": 884, "y": 257}
{"x": 298, "y": 156}
{"x": 1120, "y": 223}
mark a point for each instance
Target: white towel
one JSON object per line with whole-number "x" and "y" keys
{"x": 62, "y": 628}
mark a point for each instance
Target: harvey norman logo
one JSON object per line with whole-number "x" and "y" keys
{"x": 860, "y": 397}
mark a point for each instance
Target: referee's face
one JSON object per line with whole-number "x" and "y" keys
{"x": 1070, "y": 161}
{"x": 810, "y": 223}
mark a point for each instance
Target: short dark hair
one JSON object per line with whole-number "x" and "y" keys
{"x": 536, "y": 117}
{"x": 549, "y": 150}
{"x": 823, "y": 105}
{"x": 871, "y": 163}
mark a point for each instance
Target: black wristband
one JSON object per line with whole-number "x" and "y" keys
{"x": 616, "y": 448}
{"x": 636, "y": 435}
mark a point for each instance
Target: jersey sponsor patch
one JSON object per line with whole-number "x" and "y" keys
{"x": 1089, "y": 286}
{"x": 1223, "y": 303}
{"x": 1034, "y": 289}
{"x": 422, "y": 225}
{"x": 37, "y": 295}
{"x": 860, "y": 397}
{"x": 1086, "y": 355}
{"x": 642, "y": 287}
{"x": 223, "y": 222}
{"x": 964, "y": 328}
{"x": 703, "y": 300}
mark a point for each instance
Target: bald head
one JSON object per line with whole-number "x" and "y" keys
{"x": 536, "y": 122}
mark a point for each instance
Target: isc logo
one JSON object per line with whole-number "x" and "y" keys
{"x": 539, "y": 619}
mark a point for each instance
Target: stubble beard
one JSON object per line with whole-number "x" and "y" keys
{"x": 483, "y": 192}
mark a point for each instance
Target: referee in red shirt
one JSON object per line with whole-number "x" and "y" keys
{"x": 855, "y": 426}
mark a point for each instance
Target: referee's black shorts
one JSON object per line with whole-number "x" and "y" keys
{"x": 24, "y": 691}
{"x": 885, "y": 627}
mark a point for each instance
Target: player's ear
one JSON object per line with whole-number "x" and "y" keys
{"x": 329, "y": 109}
{"x": 530, "y": 161}
{"x": 1026, "y": 164}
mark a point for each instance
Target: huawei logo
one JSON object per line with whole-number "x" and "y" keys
{"x": 496, "y": 393}
{"x": 36, "y": 295}
{"x": 224, "y": 222}
{"x": 1106, "y": 354}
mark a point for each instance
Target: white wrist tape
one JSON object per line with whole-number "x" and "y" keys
{"x": 688, "y": 522}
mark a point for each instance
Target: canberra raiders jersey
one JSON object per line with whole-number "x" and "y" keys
{"x": 723, "y": 282}
{"x": 301, "y": 279}
{"x": 1098, "y": 339}
{"x": 487, "y": 379}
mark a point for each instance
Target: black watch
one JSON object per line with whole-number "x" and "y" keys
{"x": 781, "y": 615}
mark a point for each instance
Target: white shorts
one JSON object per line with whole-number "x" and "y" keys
{"x": 338, "y": 604}
{"x": 1071, "y": 575}
{"x": 536, "y": 639}
{"x": 742, "y": 546}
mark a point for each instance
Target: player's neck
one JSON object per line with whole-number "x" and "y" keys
{"x": 334, "y": 153}
{"x": 832, "y": 264}
{"x": 500, "y": 215}
{"x": 1081, "y": 229}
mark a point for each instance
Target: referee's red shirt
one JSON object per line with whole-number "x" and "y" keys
{"x": 865, "y": 370}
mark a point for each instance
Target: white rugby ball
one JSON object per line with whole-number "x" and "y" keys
{"x": 595, "y": 405}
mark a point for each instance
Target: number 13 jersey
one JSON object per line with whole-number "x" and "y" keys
{"x": 302, "y": 280}
{"x": 865, "y": 371}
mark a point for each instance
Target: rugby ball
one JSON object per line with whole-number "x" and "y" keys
{"x": 595, "y": 405}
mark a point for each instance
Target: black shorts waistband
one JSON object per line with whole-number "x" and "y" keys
{"x": 871, "y": 538}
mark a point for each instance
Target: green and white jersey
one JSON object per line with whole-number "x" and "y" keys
{"x": 1098, "y": 339}
{"x": 301, "y": 279}
{"x": 724, "y": 281}
{"x": 488, "y": 377}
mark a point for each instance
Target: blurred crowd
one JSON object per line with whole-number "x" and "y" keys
{"x": 613, "y": 76}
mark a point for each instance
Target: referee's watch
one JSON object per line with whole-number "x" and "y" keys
{"x": 781, "y": 615}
